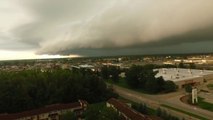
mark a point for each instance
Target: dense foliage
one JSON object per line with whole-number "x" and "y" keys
{"x": 188, "y": 88}
{"x": 101, "y": 112}
{"x": 187, "y": 65}
{"x": 164, "y": 115}
{"x": 210, "y": 86}
{"x": 26, "y": 90}
{"x": 110, "y": 72}
{"x": 142, "y": 108}
{"x": 143, "y": 77}
{"x": 69, "y": 116}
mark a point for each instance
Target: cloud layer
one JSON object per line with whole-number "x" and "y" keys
{"x": 117, "y": 26}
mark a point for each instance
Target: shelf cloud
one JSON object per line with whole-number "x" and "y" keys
{"x": 116, "y": 27}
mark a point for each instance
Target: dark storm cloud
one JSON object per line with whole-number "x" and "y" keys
{"x": 53, "y": 18}
{"x": 199, "y": 47}
{"x": 7, "y": 42}
{"x": 199, "y": 41}
{"x": 114, "y": 27}
{"x": 203, "y": 35}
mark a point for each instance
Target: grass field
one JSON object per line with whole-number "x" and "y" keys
{"x": 185, "y": 112}
{"x": 150, "y": 110}
{"x": 204, "y": 105}
{"x": 210, "y": 86}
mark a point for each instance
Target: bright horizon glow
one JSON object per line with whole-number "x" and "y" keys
{"x": 23, "y": 55}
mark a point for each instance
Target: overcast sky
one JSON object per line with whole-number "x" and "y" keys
{"x": 32, "y": 28}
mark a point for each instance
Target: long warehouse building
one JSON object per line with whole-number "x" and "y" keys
{"x": 182, "y": 77}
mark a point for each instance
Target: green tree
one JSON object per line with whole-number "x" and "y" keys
{"x": 132, "y": 76}
{"x": 69, "y": 116}
{"x": 143, "y": 77}
{"x": 105, "y": 72}
{"x": 25, "y": 90}
{"x": 152, "y": 86}
{"x": 164, "y": 115}
{"x": 159, "y": 112}
{"x": 101, "y": 112}
{"x": 142, "y": 108}
{"x": 161, "y": 83}
{"x": 169, "y": 86}
{"x": 114, "y": 72}
{"x": 188, "y": 88}
{"x": 181, "y": 65}
{"x": 192, "y": 66}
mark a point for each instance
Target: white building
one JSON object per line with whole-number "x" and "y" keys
{"x": 181, "y": 77}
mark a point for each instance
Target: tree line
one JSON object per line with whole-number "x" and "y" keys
{"x": 165, "y": 115}
{"x": 143, "y": 77}
{"x": 140, "y": 77}
{"x": 25, "y": 90}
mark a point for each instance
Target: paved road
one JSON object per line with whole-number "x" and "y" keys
{"x": 154, "y": 101}
{"x": 175, "y": 101}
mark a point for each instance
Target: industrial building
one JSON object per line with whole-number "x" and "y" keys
{"x": 182, "y": 77}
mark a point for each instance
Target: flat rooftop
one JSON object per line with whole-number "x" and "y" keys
{"x": 180, "y": 74}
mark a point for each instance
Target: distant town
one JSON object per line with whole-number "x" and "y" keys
{"x": 204, "y": 62}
